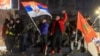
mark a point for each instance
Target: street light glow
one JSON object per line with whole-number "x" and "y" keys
{"x": 99, "y": 8}
{"x": 97, "y": 12}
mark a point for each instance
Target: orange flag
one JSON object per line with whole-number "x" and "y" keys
{"x": 85, "y": 28}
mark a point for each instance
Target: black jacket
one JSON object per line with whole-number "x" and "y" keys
{"x": 18, "y": 28}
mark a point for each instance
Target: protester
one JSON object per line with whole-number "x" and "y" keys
{"x": 75, "y": 41}
{"x": 88, "y": 20}
{"x": 44, "y": 26}
{"x": 26, "y": 39}
{"x": 18, "y": 32}
{"x": 5, "y": 27}
{"x": 56, "y": 31}
{"x": 10, "y": 35}
{"x": 18, "y": 27}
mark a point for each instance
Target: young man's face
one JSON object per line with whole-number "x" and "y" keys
{"x": 18, "y": 21}
{"x": 57, "y": 18}
{"x": 44, "y": 21}
{"x": 88, "y": 18}
{"x": 16, "y": 16}
{"x": 11, "y": 22}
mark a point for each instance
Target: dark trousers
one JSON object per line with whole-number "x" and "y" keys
{"x": 23, "y": 42}
{"x": 10, "y": 42}
{"x": 43, "y": 41}
{"x": 56, "y": 41}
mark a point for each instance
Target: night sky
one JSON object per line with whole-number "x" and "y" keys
{"x": 88, "y": 7}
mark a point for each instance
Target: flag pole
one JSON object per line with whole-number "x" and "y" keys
{"x": 18, "y": 5}
{"x": 35, "y": 25}
{"x": 76, "y": 35}
{"x": 95, "y": 20}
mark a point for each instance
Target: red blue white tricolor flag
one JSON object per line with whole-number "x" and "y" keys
{"x": 35, "y": 9}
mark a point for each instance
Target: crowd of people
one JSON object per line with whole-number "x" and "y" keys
{"x": 12, "y": 28}
{"x": 53, "y": 34}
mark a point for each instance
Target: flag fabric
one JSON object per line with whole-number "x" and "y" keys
{"x": 85, "y": 28}
{"x": 5, "y": 4}
{"x": 35, "y": 9}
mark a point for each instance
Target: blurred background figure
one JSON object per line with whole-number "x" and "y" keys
{"x": 10, "y": 35}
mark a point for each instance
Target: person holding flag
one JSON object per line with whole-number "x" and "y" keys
{"x": 88, "y": 20}
{"x": 57, "y": 28}
{"x": 89, "y": 35}
{"x": 35, "y": 9}
{"x": 44, "y": 28}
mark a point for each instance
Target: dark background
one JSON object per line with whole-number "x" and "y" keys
{"x": 87, "y": 7}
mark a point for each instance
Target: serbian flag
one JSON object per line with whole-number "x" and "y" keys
{"x": 35, "y": 9}
{"x": 5, "y": 4}
{"x": 85, "y": 28}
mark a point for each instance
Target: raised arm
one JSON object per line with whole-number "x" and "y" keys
{"x": 64, "y": 19}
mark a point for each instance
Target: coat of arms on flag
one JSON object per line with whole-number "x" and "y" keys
{"x": 5, "y": 4}
{"x": 35, "y": 9}
{"x": 85, "y": 28}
